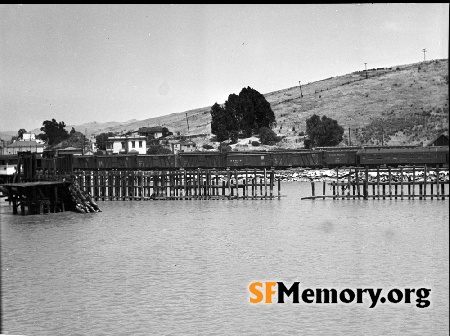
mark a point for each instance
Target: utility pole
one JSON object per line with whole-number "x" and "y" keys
{"x": 424, "y": 51}
{"x": 187, "y": 121}
{"x": 365, "y": 64}
{"x": 349, "y": 138}
{"x": 301, "y": 94}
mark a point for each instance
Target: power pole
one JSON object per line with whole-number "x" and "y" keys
{"x": 349, "y": 137}
{"x": 301, "y": 94}
{"x": 365, "y": 64}
{"x": 424, "y": 51}
{"x": 187, "y": 121}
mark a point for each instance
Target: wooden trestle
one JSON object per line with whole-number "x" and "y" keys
{"x": 199, "y": 184}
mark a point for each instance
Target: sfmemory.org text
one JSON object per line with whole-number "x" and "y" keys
{"x": 263, "y": 292}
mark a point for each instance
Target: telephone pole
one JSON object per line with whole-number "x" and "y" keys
{"x": 187, "y": 121}
{"x": 424, "y": 51}
{"x": 301, "y": 94}
{"x": 365, "y": 64}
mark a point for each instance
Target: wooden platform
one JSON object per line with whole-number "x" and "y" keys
{"x": 36, "y": 197}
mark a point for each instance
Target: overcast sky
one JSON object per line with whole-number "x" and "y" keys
{"x": 82, "y": 63}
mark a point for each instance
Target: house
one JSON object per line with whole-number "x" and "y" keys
{"x": 24, "y": 146}
{"x": 183, "y": 146}
{"x": 151, "y": 132}
{"x": 126, "y": 143}
{"x": 440, "y": 140}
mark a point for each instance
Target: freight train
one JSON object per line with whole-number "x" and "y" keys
{"x": 315, "y": 158}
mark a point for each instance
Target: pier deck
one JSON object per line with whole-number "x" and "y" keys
{"x": 36, "y": 197}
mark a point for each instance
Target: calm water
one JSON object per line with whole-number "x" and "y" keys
{"x": 183, "y": 267}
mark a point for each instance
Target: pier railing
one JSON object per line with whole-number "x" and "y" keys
{"x": 199, "y": 184}
{"x": 385, "y": 183}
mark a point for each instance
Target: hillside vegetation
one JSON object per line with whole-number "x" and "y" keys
{"x": 406, "y": 104}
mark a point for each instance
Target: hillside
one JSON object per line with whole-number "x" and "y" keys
{"x": 406, "y": 104}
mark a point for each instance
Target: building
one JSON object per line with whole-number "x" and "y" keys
{"x": 440, "y": 140}
{"x": 24, "y": 146}
{"x": 183, "y": 146}
{"x": 155, "y": 132}
{"x": 127, "y": 143}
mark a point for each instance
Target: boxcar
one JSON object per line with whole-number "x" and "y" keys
{"x": 121, "y": 162}
{"x": 309, "y": 158}
{"x": 195, "y": 160}
{"x": 339, "y": 158}
{"x": 433, "y": 156}
{"x": 249, "y": 160}
{"x": 157, "y": 161}
{"x": 84, "y": 162}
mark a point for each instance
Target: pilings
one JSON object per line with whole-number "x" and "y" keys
{"x": 387, "y": 183}
{"x": 199, "y": 184}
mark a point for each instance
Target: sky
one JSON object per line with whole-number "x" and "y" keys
{"x": 80, "y": 63}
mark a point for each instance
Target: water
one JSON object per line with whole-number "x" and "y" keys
{"x": 183, "y": 267}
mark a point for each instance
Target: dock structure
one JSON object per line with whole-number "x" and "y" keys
{"x": 199, "y": 184}
{"x": 419, "y": 183}
{"x": 37, "y": 197}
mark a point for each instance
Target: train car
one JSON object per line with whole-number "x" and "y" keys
{"x": 248, "y": 160}
{"x": 119, "y": 162}
{"x": 157, "y": 161}
{"x": 308, "y": 158}
{"x": 339, "y": 158}
{"x": 209, "y": 160}
{"x": 84, "y": 162}
{"x": 433, "y": 156}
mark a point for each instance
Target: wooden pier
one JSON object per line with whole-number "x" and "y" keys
{"x": 199, "y": 184}
{"x": 386, "y": 183}
{"x": 37, "y": 197}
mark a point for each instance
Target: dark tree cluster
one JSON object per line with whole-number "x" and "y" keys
{"x": 54, "y": 132}
{"x": 323, "y": 132}
{"x": 102, "y": 140}
{"x": 242, "y": 114}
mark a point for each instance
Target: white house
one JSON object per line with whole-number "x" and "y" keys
{"x": 24, "y": 146}
{"x": 182, "y": 146}
{"x": 126, "y": 144}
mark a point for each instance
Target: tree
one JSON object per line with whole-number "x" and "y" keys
{"x": 158, "y": 149}
{"x": 165, "y": 132}
{"x": 54, "y": 131}
{"x": 20, "y": 133}
{"x": 244, "y": 114}
{"x": 323, "y": 132}
{"x": 267, "y": 136}
{"x": 72, "y": 131}
{"x": 102, "y": 139}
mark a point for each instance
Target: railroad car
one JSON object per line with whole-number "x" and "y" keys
{"x": 120, "y": 162}
{"x": 84, "y": 162}
{"x": 433, "y": 156}
{"x": 157, "y": 161}
{"x": 195, "y": 160}
{"x": 339, "y": 158}
{"x": 310, "y": 158}
{"x": 248, "y": 160}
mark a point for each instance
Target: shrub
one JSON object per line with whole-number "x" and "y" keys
{"x": 255, "y": 143}
{"x": 207, "y": 146}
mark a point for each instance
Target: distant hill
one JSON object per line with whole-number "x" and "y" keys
{"x": 405, "y": 104}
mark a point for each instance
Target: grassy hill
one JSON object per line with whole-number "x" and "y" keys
{"x": 405, "y": 104}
